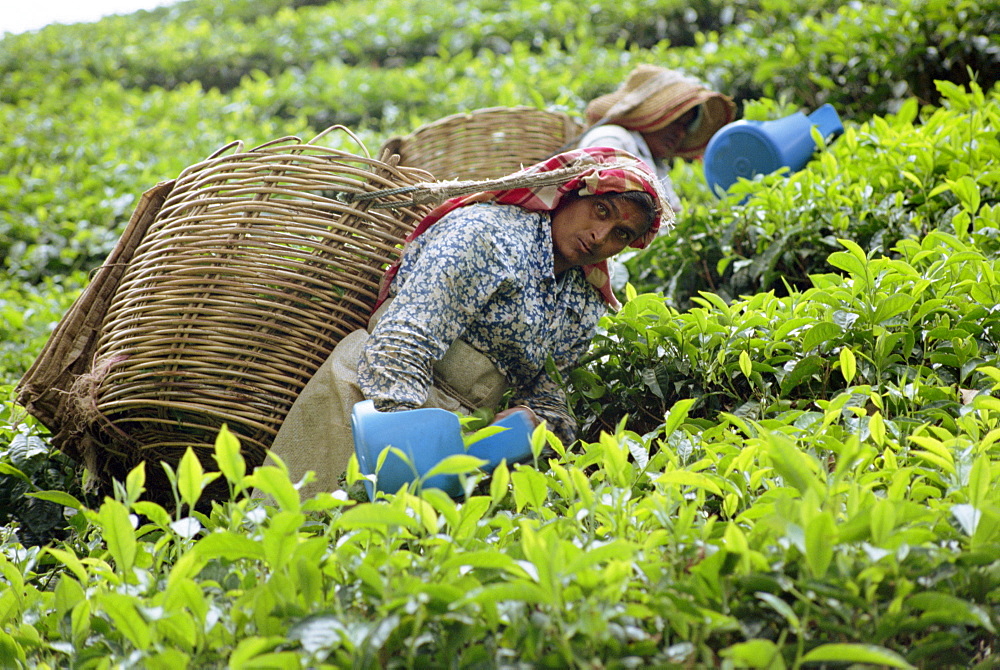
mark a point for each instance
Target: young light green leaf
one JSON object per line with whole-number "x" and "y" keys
{"x": 856, "y": 653}
{"x": 746, "y": 367}
{"x": 229, "y": 458}
{"x": 457, "y": 464}
{"x": 967, "y": 191}
{"x": 228, "y": 545}
{"x": 795, "y": 467}
{"x": 8, "y": 469}
{"x": 687, "y": 478}
{"x": 135, "y": 483}
{"x": 70, "y": 560}
{"x": 678, "y": 412}
{"x": 368, "y": 515}
{"x": 275, "y": 483}
{"x": 153, "y": 512}
{"x": 500, "y": 483}
{"x": 821, "y": 537}
{"x": 121, "y": 610}
{"x": 530, "y": 488}
{"x": 59, "y": 498}
{"x": 192, "y": 478}
{"x": 848, "y": 364}
{"x": 876, "y": 427}
{"x": 118, "y": 534}
{"x": 757, "y": 653}
{"x": 980, "y": 480}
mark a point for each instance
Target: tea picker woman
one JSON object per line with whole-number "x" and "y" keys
{"x": 658, "y": 115}
{"x": 489, "y": 287}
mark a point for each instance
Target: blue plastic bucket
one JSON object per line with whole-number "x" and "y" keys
{"x": 744, "y": 149}
{"x": 427, "y": 436}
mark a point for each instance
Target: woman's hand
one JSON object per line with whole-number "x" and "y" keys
{"x": 518, "y": 408}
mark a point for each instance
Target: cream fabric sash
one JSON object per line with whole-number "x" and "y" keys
{"x": 316, "y": 434}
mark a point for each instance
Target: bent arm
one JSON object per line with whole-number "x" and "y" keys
{"x": 451, "y": 280}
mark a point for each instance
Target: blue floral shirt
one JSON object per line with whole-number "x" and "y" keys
{"x": 483, "y": 273}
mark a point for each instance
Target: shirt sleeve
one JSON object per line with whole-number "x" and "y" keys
{"x": 455, "y": 274}
{"x": 613, "y": 136}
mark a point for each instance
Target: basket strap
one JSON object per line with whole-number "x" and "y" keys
{"x": 436, "y": 192}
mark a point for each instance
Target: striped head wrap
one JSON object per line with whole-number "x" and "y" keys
{"x": 653, "y": 97}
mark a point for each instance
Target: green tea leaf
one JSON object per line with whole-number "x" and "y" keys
{"x": 122, "y": 611}
{"x": 275, "y": 483}
{"x": 821, "y": 538}
{"x": 135, "y": 483}
{"x": 980, "y": 480}
{"x": 499, "y": 484}
{"x": 70, "y": 560}
{"x": 678, "y": 413}
{"x": 59, "y": 498}
{"x": 228, "y": 456}
{"x": 228, "y": 545}
{"x": 118, "y": 534}
{"x": 191, "y": 478}
{"x": 876, "y": 426}
{"x": 848, "y": 364}
{"x": 519, "y": 591}
{"x": 757, "y": 653}
{"x": 530, "y": 488}
{"x": 795, "y": 467}
{"x": 781, "y": 607}
{"x": 820, "y": 334}
{"x": 688, "y": 478}
{"x": 153, "y": 512}
{"x": 8, "y": 469}
{"x": 856, "y": 653}
{"x": 368, "y": 515}
{"x": 458, "y": 464}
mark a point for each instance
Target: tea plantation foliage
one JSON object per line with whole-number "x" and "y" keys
{"x": 792, "y": 430}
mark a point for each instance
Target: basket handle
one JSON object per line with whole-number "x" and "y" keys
{"x": 223, "y": 149}
{"x": 350, "y": 133}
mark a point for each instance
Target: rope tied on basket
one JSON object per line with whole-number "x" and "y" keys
{"x": 427, "y": 193}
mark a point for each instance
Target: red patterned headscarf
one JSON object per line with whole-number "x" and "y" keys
{"x": 589, "y": 171}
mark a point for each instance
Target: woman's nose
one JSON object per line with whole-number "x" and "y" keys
{"x": 602, "y": 232}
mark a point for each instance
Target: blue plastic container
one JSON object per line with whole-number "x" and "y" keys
{"x": 428, "y": 436}
{"x": 748, "y": 148}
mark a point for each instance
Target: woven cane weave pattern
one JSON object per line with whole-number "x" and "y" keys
{"x": 252, "y": 271}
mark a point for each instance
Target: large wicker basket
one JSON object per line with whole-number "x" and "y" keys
{"x": 485, "y": 143}
{"x": 228, "y": 289}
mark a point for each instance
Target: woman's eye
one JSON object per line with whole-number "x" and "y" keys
{"x": 602, "y": 210}
{"x": 624, "y": 235}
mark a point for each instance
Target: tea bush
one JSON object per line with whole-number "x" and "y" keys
{"x": 790, "y": 430}
{"x": 813, "y": 536}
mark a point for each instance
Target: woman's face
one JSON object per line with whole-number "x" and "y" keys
{"x": 592, "y": 229}
{"x": 663, "y": 143}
